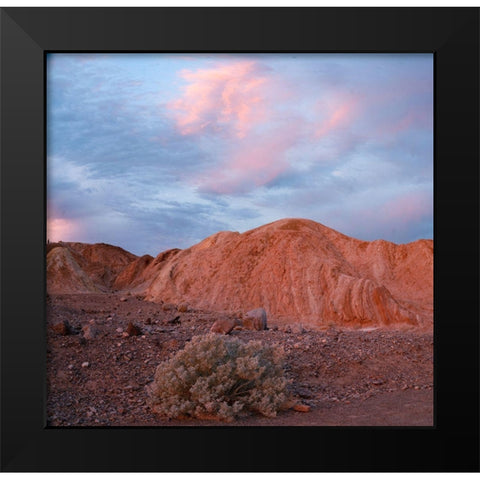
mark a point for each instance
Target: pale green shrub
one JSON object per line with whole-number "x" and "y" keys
{"x": 216, "y": 376}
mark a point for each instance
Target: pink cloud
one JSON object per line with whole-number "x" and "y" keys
{"x": 61, "y": 229}
{"x": 408, "y": 208}
{"x": 257, "y": 162}
{"x": 234, "y": 100}
{"x": 397, "y": 219}
{"x": 412, "y": 119}
{"x": 229, "y": 97}
{"x": 337, "y": 113}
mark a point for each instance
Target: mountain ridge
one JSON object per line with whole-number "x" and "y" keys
{"x": 297, "y": 269}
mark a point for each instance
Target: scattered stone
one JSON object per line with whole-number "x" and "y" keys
{"x": 224, "y": 325}
{"x": 123, "y": 299}
{"x": 303, "y": 392}
{"x": 62, "y": 328}
{"x": 182, "y": 308}
{"x": 174, "y": 321}
{"x": 132, "y": 330}
{"x": 91, "y": 385}
{"x": 148, "y": 321}
{"x": 297, "y": 328}
{"x": 85, "y": 364}
{"x": 300, "y": 407}
{"x": 90, "y": 332}
{"x": 119, "y": 330}
{"x": 172, "y": 344}
{"x": 255, "y": 319}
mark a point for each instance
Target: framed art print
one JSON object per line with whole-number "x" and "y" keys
{"x": 263, "y": 243}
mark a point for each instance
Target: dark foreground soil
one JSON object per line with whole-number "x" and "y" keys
{"x": 347, "y": 377}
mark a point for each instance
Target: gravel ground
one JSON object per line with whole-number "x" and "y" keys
{"x": 97, "y": 374}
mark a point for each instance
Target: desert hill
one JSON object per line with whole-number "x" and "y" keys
{"x": 298, "y": 270}
{"x": 74, "y": 267}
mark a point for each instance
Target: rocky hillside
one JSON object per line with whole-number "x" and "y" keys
{"x": 298, "y": 270}
{"x": 84, "y": 268}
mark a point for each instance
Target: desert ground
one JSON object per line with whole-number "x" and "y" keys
{"x": 98, "y": 366}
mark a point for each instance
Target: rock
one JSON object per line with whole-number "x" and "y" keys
{"x": 132, "y": 330}
{"x": 300, "y": 407}
{"x": 224, "y": 325}
{"x": 62, "y": 328}
{"x": 297, "y": 328}
{"x": 74, "y": 267}
{"x": 182, "y": 308}
{"x": 90, "y": 331}
{"x": 85, "y": 364}
{"x": 123, "y": 299}
{"x": 329, "y": 277}
{"x": 255, "y": 319}
{"x": 172, "y": 344}
{"x": 303, "y": 392}
{"x": 167, "y": 307}
{"x": 174, "y": 321}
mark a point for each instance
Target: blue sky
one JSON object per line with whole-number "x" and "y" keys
{"x": 156, "y": 151}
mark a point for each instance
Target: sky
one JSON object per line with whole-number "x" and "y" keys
{"x": 158, "y": 151}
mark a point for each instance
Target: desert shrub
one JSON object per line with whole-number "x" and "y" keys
{"x": 216, "y": 376}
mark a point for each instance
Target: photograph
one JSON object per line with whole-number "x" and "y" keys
{"x": 239, "y": 239}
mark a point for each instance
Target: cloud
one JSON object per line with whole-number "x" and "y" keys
{"x": 402, "y": 215}
{"x": 256, "y": 162}
{"x": 158, "y": 151}
{"x": 336, "y": 113}
{"x": 62, "y": 229}
{"x": 238, "y": 104}
{"x": 227, "y": 97}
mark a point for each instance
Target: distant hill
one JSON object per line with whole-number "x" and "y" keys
{"x": 82, "y": 268}
{"x": 298, "y": 270}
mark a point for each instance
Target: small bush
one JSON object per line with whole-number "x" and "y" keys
{"x": 220, "y": 377}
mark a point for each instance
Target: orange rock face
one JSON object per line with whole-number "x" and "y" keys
{"x": 84, "y": 268}
{"x": 301, "y": 271}
{"x": 298, "y": 270}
